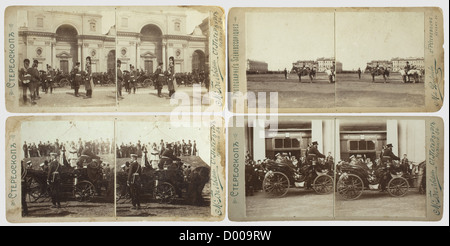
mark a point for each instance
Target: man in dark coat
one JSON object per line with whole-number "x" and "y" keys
{"x": 387, "y": 157}
{"x": 171, "y": 76}
{"x": 119, "y": 80}
{"x": 167, "y": 157}
{"x": 134, "y": 182}
{"x": 25, "y": 79}
{"x": 54, "y": 181}
{"x": 77, "y": 79}
{"x": 312, "y": 156}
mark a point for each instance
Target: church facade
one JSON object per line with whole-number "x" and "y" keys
{"x": 60, "y": 39}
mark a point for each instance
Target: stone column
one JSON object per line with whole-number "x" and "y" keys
{"x": 337, "y": 137}
{"x": 164, "y": 55}
{"x": 392, "y": 135}
{"x": 259, "y": 141}
{"x": 138, "y": 54}
{"x": 317, "y": 133}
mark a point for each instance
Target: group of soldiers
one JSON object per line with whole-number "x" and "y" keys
{"x": 130, "y": 78}
{"x": 31, "y": 79}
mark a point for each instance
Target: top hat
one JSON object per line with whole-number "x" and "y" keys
{"x": 315, "y": 143}
{"x": 389, "y": 145}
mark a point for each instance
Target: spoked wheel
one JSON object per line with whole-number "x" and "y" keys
{"x": 350, "y": 187}
{"x": 36, "y": 191}
{"x": 276, "y": 184}
{"x": 323, "y": 184}
{"x": 165, "y": 193}
{"x": 147, "y": 83}
{"x": 398, "y": 186}
{"x": 122, "y": 194}
{"x": 84, "y": 191}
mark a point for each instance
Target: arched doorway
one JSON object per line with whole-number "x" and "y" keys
{"x": 66, "y": 42}
{"x": 151, "y": 43}
{"x": 198, "y": 60}
{"x": 111, "y": 61}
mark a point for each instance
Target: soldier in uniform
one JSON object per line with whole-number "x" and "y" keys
{"x": 54, "y": 180}
{"x": 134, "y": 182}
{"x": 171, "y": 76}
{"x": 407, "y": 68}
{"x": 87, "y": 77}
{"x": 36, "y": 80}
{"x": 119, "y": 80}
{"x": 359, "y": 73}
{"x": 133, "y": 79}
{"x": 159, "y": 78}
{"x": 24, "y": 189}
{"x": 25, "y": 79}
{"x": 167, "y": 157}
{"x": 76, "y": 75}
{"x": 50, "y": 78}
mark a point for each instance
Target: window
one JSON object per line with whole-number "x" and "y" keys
{"x": 40, "y": 22}
{"x": 287, "y": 143}
{"x": 124, "y": 22}
{"x": 92, "y": 26}
{"x": 362, "y": 145}
{"x": 177, "y": 26}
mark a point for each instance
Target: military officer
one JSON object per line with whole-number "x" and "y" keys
{"x": 50, "y": 79}
{"x": 407, "y": 68}
{"x": 36, "y": 78}
{"x": 159, "y": 78}
{"x": 87, "y": 77}
{"x": 24, "y": 189}
{"x": 119, "y": 80}
{"x": 54, "y": 180}
{"x": 76, "y": 75}
{"x": 171, "y": 76}
{"x": 312, "y": 156}
{"x": 134, "y": 182}
{"x": 133, "y": 79}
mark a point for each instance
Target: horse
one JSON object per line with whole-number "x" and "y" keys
{"x": 306, "y": 71}
{"x": 416, "y": 74}
{"x": 378, "y": 71}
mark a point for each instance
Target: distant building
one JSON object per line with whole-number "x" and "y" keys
{"x": 306, "y": 63}
{"x": 381, "y": 63}
{"x": 326, "y": 63}
{"x": 257, "y": 66}
{"x": 399, "y": 63}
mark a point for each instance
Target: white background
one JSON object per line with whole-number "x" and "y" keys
{"x": 227, "y": 5}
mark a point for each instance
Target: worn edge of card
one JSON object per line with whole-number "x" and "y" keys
{"x": 434, "y": 156}
{"x": 13, "y": 156}
{"x": 214, "y": 102}
{"x": 433, "y": 56}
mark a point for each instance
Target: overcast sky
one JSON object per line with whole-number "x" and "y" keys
{"x": 153, "y": 132}
{"x": 366, "y": 36}
{"x": 36, "y": 131}
{"x": 281, "y": 38}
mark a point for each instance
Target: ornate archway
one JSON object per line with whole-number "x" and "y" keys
{"x": 66, "y": 43}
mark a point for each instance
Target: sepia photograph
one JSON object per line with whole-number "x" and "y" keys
{"x": 66, "y": 57}
{"x": 381, "y": 168}
{"x": 163, "y": 54}
{"x": 67, "y": 169}
{"x": 292, "y": 53}
{"x": 289, "y": 170}
{"x": 382, "y": 55}
{"x": 163, "y": 171}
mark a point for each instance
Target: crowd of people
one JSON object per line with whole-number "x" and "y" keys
{"x": 180, "y": 148}
{"x": 70, "y": 148}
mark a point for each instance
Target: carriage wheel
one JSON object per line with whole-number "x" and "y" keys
{"x": 323, "y": 184}
{"x": 350, "y": 187}
{"x": 147, "y": 83}
{"x": 64, "y": 82}
{"x": 122, "y": 196}
{"x": 398, "y": 186}
{"x": 165, "y": 192}
{"x": 276, "y": 184}
{"x": 84, "y": 191}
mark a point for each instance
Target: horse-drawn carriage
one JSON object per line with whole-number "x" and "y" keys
{"x": 167, "y": 184}
{"x": 280, "y": 176}
{"x": 83, "y": 184}
{"x": 353, "y": 180}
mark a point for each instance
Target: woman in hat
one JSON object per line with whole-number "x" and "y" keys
{"x": 171, "y": 75}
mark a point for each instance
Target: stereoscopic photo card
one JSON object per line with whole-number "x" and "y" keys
{"x": 335, "y": 168}
{"x": 106, "y": 58}
{"x": 299, "y": 60}
{"x": 80, "y": 169}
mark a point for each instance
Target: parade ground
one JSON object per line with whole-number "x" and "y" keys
{"x": 354, "y": 92}
{"x": 147, "y": 98}
{"x": 102, "y": 96}
{"x": 348, "y": 91}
